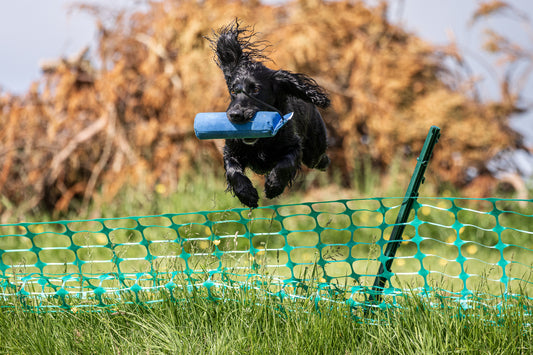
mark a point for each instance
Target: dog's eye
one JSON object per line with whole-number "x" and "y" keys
{"x": 255, "y": 90}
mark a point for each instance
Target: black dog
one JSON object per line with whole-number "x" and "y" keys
{"x": 254, "y": 87}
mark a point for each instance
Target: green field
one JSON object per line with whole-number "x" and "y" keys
{"x": 333, "y": 250}
{"x": 255, "y": 325}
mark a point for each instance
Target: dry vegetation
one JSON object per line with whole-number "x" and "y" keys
{"x": 87, "y": 127}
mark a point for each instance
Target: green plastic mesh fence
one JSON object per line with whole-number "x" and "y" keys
{"x": 473, "y": 251}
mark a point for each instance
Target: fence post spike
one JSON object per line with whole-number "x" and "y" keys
{"x": 410, "y": 197}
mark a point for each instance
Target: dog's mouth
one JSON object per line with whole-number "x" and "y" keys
{"x": 250, "y": 141}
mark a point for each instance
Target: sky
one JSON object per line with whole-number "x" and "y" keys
{"x": 35, "y": 30}
{"x": 444, "y": 21}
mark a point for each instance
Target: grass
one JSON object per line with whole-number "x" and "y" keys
{"x": 250, "y": 323}
{"x": 345, "y": 245}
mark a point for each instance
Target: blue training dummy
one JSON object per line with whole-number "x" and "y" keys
{"x": 216, "y": 125}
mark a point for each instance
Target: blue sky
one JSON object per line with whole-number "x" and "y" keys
{"x": 32, "y": 30}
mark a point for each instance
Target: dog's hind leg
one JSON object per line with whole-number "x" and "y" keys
{"x": 323, "y": 162}
{"x": 315, "y": 143}
{"x": 314, "y": 154}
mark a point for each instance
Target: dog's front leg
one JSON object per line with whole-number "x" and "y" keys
{"x": 239, "y": 183}
{"x": 282, "y": 174}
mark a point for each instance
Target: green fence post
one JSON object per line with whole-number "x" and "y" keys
{"x": 410, "y": 196}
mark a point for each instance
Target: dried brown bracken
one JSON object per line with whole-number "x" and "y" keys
{"x": 84, "y": 128}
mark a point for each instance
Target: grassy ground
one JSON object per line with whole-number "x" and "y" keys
{"x": 252, "y": 324}
{"x": 206, "y": 191}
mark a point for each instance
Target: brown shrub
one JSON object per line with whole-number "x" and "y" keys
{"x": 84, "y": 128}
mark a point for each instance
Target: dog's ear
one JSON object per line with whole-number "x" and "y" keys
{"x": 227, "y": 48}
{"x": 233, "y": 46}
{"x": 301, "y": 86}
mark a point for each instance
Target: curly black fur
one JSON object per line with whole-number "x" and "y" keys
{"x": 252, "y": 85}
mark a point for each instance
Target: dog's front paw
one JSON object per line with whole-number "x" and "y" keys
{"x": 273, "y": 187}
{"x": 248, "y": 196}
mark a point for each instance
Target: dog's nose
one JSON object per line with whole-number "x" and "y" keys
{"x": 235, "y": 117}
